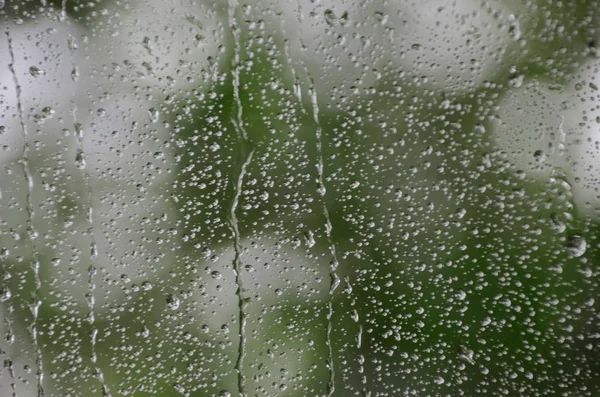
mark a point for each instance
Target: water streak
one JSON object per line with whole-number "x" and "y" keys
{"x": 8, "y": 364}
{"x": 333, "y": 277}
{"x": 246, "y": 151}
{"x": 29, "y": 209}
{"x": 81, "y": 163}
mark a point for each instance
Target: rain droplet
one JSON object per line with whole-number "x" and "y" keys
{"x": 516, "y": 81}
{"x": 309, "y": 239}
{"x": 539, "y": 156}
{"x": 153, "y": 114}
{"x": 80, "y": 160}
{"x": 330, "y": 17}
{"x": 35, "y": 71}
{"x": 45, "y": 115}
{"x": 5, "y": 294}
{"x": 173, "y": 302}
{"x": 576, "y": 245}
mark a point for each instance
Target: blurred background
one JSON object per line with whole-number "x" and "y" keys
{"x": 300, "y": 198}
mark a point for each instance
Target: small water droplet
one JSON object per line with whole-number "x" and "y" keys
{"x": 330, "y": 17}
{"x": 35, "y": 71}
{"x": 173, "y": 302}
{"x": 45, "y": 115}
{"x": 516, "y": 81}
{"x": 576, "y": 245}
{"x": 381, "y": 17}
{"x": 147, "y": 43}
{"x": 71, "y": 44}
{"x": 590, "y": 302}
{"x": 5, "y": 294}
{"x": 466, "y": 354}
{"x": 179, "y": 388}
{"x": 153, "y": 112}
{"x": 539, "y": 156}
{"x": 556, "y": 224}
{"x": 80, "y": 160}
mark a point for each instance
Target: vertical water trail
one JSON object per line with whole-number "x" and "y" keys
{"x": 361, "y": 358}
{"x": 246, "y": 151}
{"x": 11, "y": 371}
{"x": 8, "y": 364}
{"x": 333, "y": 277}
{"x": 81, "y": 163}
{"x": 9, "y": 336}
{"x": 63, "y": 10}
{"x": 288, "y": 57}
{"x": 35, "y": 308}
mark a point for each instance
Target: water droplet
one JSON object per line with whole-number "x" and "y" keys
{"x": 309, "y": 239}
{"x": 173, "y": 302}
{"x": 45, "y": 115}
{"x": 179, "y": 388}
{"x": 539, "y": 156}
{"x": 466, "y": 354}
{"x": 153, "y": 114}
{"x": 576, "y": 245}
{"x": 330, "y": 17}
{"x": 556, "y": 224}
{"x": 80, "y": 160}
{"x": 381, "y": 17}
{"x": 147, "y": 43}
{"x": 35, "y": 71}
{"x": 5, "y": 294}
{"x": 516, "y": 81}
{"x": 590, "y": 302}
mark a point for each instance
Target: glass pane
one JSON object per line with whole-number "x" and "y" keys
{"x": 299, "y": 198}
